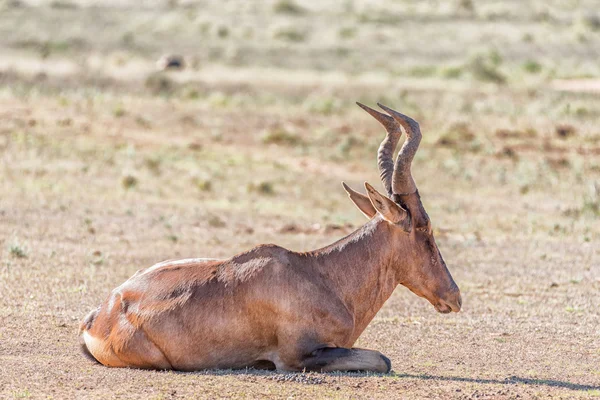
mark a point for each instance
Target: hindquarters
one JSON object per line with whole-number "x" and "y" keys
{"x": 86, "y": 324}
{"x": 113, "y": 341}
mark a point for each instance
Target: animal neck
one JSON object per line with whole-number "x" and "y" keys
{"x": 361, "y": 267}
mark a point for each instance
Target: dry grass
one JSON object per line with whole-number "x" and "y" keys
{"x": 108, "y": 166}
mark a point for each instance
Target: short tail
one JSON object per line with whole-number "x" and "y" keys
{"x": 86, "y": 352}
{"x": 85, "y": 325}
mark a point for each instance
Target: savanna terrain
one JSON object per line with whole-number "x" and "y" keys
{"x": 109, "y": 165}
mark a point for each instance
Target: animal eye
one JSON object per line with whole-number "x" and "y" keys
{"x": 425, "y": 229}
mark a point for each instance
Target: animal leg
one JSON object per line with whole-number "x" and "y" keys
{"x": 341, "y": 359}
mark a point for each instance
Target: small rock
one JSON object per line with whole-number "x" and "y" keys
{"x": 171, "y": 61}
{"x": 564, "y": 131}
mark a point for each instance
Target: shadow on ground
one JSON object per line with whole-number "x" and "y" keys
{"x": 513, "y": 380}
{"x": 298, "y": 377}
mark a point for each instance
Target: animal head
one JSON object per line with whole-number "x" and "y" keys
{"x": 419, "y": 263}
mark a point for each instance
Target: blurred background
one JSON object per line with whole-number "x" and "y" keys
{"x": 137, "y": 131}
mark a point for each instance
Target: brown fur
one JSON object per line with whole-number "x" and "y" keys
{"x": 271, "y": 306}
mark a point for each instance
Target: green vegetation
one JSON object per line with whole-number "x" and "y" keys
{"x": 109, "y": 165}
{"x": 17, "y": 250}
{"x": 288, "y": 7}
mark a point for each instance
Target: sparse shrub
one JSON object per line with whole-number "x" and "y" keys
{"x": 263, "y": 187}
{"x": 288, "y": 7}
{"x": 558, "y": 163}
{"x": 322, "y": 105}
{"x": 382, "y": 17}
{"x": 153, "y": 164}
{"x": 222, "y": 31}
{"x": 204, "y": 185}
{"x": 503, "y": 133}
{"x": 508, "y": 152}
{"x": 215, "y": 221}
{"x": 460, "y": 136}
{"x": 289, "y": 34}
{"x": 64, "y": 5}
{"x": 17, "y": 250}
{"x": 590, "y": 21}
{"x": 159, "y": 83}
{"x": 494, "y": 57}
{"x": 347, "y": 32}
{"x": 119, "y": 111}
{"x": 532, "y": 66}
{"x": 129, "y": 181}
{"x": 49, "y": 47}
{"x": 128, "y": 39}
{"x": 591, "y": 201}
{"x": 582, "y": 111}
{"x": 21, "y": 394}
{"x": 528, "y": 37}
{"x": 590, "y": 205}
{"x": 280, "y": 136}
{"x": 90, "y": 227}
{"x": 565, "y": 131}
{"x": 195, "y": 146}
{"x": 484, "y": 67}
{"x": 457, "y": 135}
{"x": 543, "y": 16}
{"x": 64, "y": 122}
{"x": 192, "y": 94}
{"x": 422, "y": 71}
{"x": 219, "y": 99}
{"x": 341, "y": 51}
{"x": 11, "y": 4}
{"x": 465, "y": 6}
{"x": 143, "y": 122}
{"x": 452, "y": 72}
{"x": 346, "y": 146}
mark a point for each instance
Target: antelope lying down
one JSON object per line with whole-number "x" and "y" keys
{"x": 274, "y": 308}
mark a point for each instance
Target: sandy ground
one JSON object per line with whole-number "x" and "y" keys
{"x": 108, "y": 166}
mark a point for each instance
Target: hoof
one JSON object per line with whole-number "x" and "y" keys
{"x": 388, "y": 363}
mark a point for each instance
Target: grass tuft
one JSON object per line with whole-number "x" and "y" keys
{"x": 17, "y": 250}
{"x": 262, "y": 187}
{"x": 129, "y": 181}
{"x": 532, "y": 66}
{"x": 485, "y": 67}
{"x": 288, "y": 7}
{"x": 289, "y": 34}
{"x": 591, "y": 201}
{"x": 280, "y": 136}
{"x": 458, "y": 135}
{"x": 159, "y": 83}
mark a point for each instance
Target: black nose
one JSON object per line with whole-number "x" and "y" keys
{"x": 454, "y": 300}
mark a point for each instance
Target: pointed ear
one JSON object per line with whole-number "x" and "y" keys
{"x": 361, "y": 201}
{"x": 391, "y": 211}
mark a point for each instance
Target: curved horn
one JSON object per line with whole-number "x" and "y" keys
{"x": 385, "y": 154}
{"x": 402, "y": 182}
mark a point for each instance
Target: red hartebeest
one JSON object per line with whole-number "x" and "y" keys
{"x": 274, "y": 308}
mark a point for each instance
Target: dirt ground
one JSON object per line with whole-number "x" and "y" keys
{"x": 108, "y": 166}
